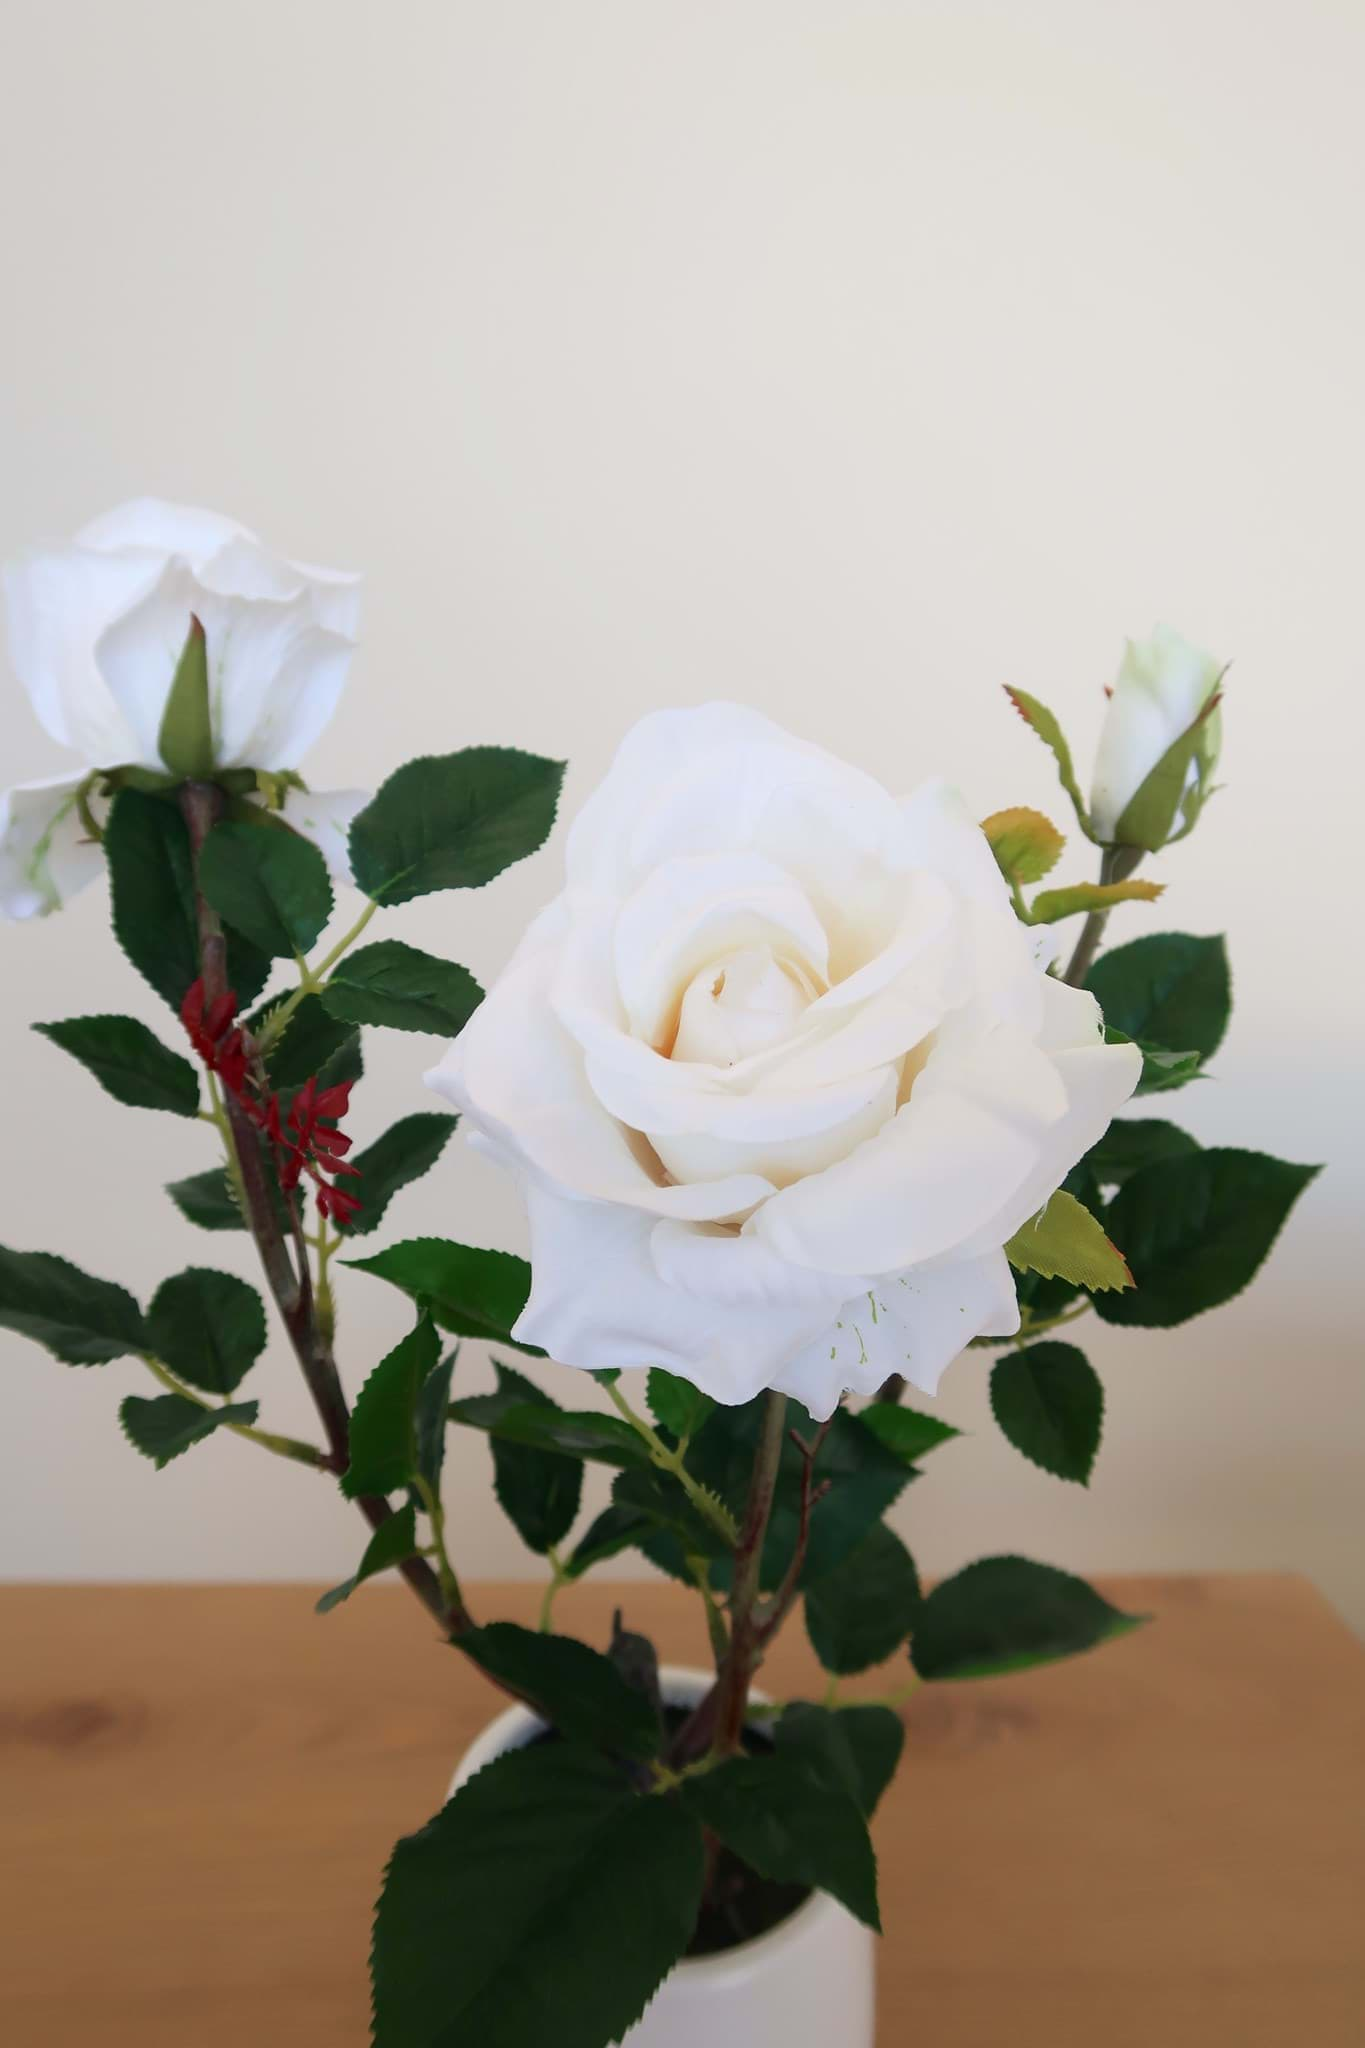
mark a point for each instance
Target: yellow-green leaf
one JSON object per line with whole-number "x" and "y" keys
{"x": 1152, "y": 812}
{"x": 1026, "y": 845}
{"x": 1064, "y": 1242}
{"x": 1044, "y": 723}
{"x": 1053, "y": 904}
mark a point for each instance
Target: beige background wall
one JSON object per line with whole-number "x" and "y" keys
{"x": 851, "y": 358}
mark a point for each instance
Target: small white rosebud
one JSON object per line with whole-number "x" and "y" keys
{"x": 1162, "y": 687}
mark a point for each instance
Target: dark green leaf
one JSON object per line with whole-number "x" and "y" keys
{"x": 208, "y": 1327}
{"x": 207, "y": 1199}
{"x": 1161, "y": 1068}
{"x": 129, "y": 1062}
{"x": 268, "y": 883}
{"x": 1167, "y": 989}
{"x": 853, "y": 1748}
{"x": 152, "y": 882}
{"x": 384, "y": 1420}
{"x": 1050, "y": 1404}
{"x": 407, "y": 1150}
{"x": 860, "y": 1613}
{"x": 1196, "y": 1230}
{"x": 453, "y": 821}
{"x": 474, "y": 1293}
{"x": 169, "y": 1423}
{"x": 576, "y": 1688}
{"x": 313, "y": 1043}
{"x": 390, "y": 983}
{"x": 613, "y": 1531}
{"x": 433, "y": 1405}
{"x": 790, "y": 1826}
{"x": 678, "y": 1406}
{"x": 659, "y": 1495}
{"x": 906, "y": 1431}
{"x": 80, "y": 1320}
{"x": 1006, "y": 1613}
{"x": 571, "y": 1433}
{"x": 538, "y": 1490}
{"x": 545, "y": 1904}
{"x": 1133, "y": 1142}
{"x": 392, "y": 1543}
{"x": 636, "y": 1660}
{"x": 185, "y": 738}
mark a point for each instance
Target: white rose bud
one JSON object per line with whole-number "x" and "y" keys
{"x": 1163, "y": 685}
{"x": 97, "y": 629}
{"x": 779, "y": 1073}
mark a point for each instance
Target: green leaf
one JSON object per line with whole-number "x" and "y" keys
{"x": 208, "y": 1327}
{"x": 1026, "y": 845}
{"x": 152, "y": 883}
{"x": 1051, "y": 905}
{"x": 539, "y": 1490}
{"x": 855, "y": 1749}
{"x": 1064, "y": 1242}
{"x": 168, "y": 1424}
{"x": 1044, "y": 723}
{"x": 906, "y": 1431}
{"x": 80, "y": 1320}
{"x": 1006, "y": 1613}
{"x": 684, "y": 1529}
{"x": 129, "y": 1062}
{"x": 433, "y": 1414}
{"x": 677, "y": 1405}
{"x": 1168, "y": 989}
{"x": 453, "y": 821}
{"x": 185, "y": 739}
{"x": 474, "y": 1293}
{"x": 1161, "y": 1068}
{"x": 1049, "y": 1402}
{"x": 312, "y": 1043}
{"x": 407, "y": 1150}
{"x": 544, "y": 1904}
{"x": 384, "y": 1420}
{"x": 393, "y": 984}
{"x": 860, "y": 1613}
{"x": 268, "y": 883}
{"x": 1133, "y": 1143}
{"x": 1196, "y": 1230}
{"x": 393, "y": 1542}
{"x": 207, "y": 1199}
{"x": 614, "y": 1530}
{"x": 790, "y": 1827}
{"x": 574, "y": 1687}
{"x": 1153, "y": 809}
{"x": 571, "y": 1433}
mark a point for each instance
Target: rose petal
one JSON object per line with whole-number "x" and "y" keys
{"x": 46, "y": 853}
{"x": 325, "y": 816}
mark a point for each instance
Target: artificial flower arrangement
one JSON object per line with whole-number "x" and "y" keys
{"x": 804, "y": 1093}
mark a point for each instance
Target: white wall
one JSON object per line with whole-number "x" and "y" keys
{"x": 851, "y": 358}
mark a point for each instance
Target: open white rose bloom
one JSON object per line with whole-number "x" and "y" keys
{"x": 779, "y": 1071}
{"x": 97, "y": 626}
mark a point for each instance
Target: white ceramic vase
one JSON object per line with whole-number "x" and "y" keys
{"x": 809, "y": 1982}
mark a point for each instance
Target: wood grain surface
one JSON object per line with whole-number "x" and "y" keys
{"x": 1156, "y": 1846}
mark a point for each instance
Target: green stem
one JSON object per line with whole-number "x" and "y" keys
{"x": 282, "y": 1446}
{"x": 1117, "y": 863}
{"x": 894, "y": 1699}
{"x": 445, "y": 1570}
{"x": 715, "y": 1620}
{"x": 671, "y": 1461}
{"x": 311, "y": 981}
{"x": 558, "y": 1577}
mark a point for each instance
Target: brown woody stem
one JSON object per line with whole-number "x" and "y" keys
{"x": 731, "y": 1691}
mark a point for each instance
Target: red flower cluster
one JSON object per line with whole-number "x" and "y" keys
{"x": 306, "y": 1139}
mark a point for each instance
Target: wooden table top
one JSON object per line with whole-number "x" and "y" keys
{"x": 1156, "y": 1846}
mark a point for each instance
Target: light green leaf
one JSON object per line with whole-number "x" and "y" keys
{"x": 1049, "y": 1402}
{"x": 1051, "y": 905}
{"x": 453, "y": 821}
{"x": 268, "y": 883}
{"x": 1026, "y": 845}
{"x": 1007, "y": 1613}
{"x": 407, "y": 990}
{"x": 1044, "y": 723}
{"x": 129, "y": 1062}
{"x": 80, "y": 1320}
{"x": 185, "y": 740}
{"x": 392, "y": 1543}
{"x": 166, "y": 1425}
{"x": 1064, "y": 1242}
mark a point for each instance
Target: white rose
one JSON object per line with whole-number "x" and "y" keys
{"x": 1162, "y": 686}
{"x": 779, "y": 1073}
{"x": 97, "y": 626}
